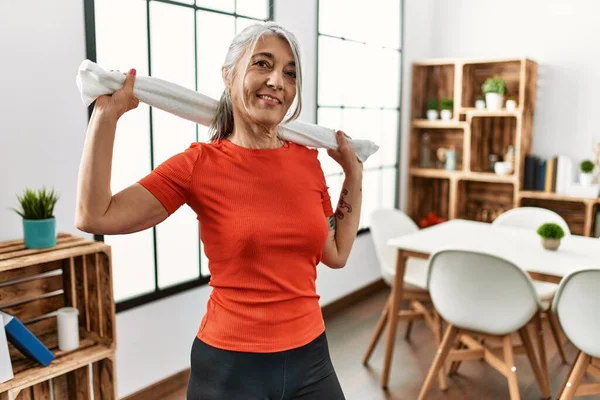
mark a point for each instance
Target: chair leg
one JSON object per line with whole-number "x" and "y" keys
{"x": 439, "y": 360}
{"x": 378, "y": 331}
{"x": 454, "y": 365}
{"x": 408, "y": 330}
{"x": 564, "y": 385}
{"x": 535, "y": 366}
{"x": 539, "y": 336}
{"x": 583, "y": 360}
{"x": 511, "y": 370}
{"x": 555, "y": 328}
{"x": 438, "y": 333}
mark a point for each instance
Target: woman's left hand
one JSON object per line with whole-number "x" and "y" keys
{"x": 345, "y": 156}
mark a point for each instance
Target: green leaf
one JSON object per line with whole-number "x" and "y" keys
{"x": 550, "y": 230}
{"x": 37, "y": 205}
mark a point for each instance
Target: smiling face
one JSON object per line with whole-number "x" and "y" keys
{"x": 269, "y": 85}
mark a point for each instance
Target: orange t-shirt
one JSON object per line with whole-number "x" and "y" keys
{"x": 262, "y": 216}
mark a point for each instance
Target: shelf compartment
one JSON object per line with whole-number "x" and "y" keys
{"x": 429, "y": 195}
{"x": 573, "y": 212}
{"x": 438, "y": 138}
{"x": 431, "y": 81}
{"x": 438, "y": 124}
{"x": 35, "y": 284}
{"x": 483, "y": 201}
{"x": 491, "y": 136}
{"x": 475, "y": 74}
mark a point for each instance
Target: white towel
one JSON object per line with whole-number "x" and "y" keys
{"x": 93, "y": 81}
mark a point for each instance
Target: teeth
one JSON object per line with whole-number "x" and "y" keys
{"x": 269, "y": 98}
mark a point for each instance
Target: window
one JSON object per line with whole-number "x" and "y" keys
{"x": 359, "y": 91}
{"x": 185, "y": 42}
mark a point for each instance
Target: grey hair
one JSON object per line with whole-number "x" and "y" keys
{"x": 245, "y": 43}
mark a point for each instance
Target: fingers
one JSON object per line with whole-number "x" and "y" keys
{"x": 129, "y": 80}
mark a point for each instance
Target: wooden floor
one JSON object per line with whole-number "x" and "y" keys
{"x": 349, "y": 332}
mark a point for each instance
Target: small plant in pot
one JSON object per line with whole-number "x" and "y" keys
{"x": 39, "y": 224}
{"x": 480, "y": 103}
{"x": 586, "y": 172}
{"x": 551, "y": 233}
{"x": 511, "y": 104}
{"x": 447, "y": 106}
{"x": 432, "y": 109}
{"x": 494, "y": 90}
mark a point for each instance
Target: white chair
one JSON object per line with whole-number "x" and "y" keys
{"x": 531, "y": 218}
{"x": 386, "y": 224}
{"x": 577, "y": 303}
{"x": 487, "y": 297}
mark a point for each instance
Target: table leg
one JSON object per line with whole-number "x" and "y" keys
{"x": 392, "y": 321}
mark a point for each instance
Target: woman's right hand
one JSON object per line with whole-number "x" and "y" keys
{"x": 120, "y": 101}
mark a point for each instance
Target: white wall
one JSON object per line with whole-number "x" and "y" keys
{"x": 42, "y": 128}
{"x": 560, "y": 35}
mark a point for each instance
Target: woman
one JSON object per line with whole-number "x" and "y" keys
{"x": 266, "y": 222}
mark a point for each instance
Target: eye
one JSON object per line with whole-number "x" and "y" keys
{"x": 262, "y": 63}
{"x": 291, "y": 74}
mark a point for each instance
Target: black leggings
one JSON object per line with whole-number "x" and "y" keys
{"x": 302, "y": 373}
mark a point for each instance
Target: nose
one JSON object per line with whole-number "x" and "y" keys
{"x": 275, "y": 80}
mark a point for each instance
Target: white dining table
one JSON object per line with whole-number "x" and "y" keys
{"x": 523, "y": 247}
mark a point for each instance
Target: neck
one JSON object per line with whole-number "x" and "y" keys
{"x": 253, "y": 136}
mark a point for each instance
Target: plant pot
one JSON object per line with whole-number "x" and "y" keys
{"x": 511, "y": 105}
{"x": 446, "y": 115}
{"x": 585, "y": 178}
{"x": 550, "y": 244}
{"x": 432, "y": 115}
{"x": 39, "y": 233}
{"x": 494, "y": 101}
{"x": 480, "y": 104}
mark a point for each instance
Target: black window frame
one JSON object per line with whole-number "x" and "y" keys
{"x": 397, "y": 165}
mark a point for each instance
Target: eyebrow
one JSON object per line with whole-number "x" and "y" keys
{"x": 270, "y": 56}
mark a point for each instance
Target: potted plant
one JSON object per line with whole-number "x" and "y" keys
{"x": 551, "y": 234}
{"x": 432, "y": 109}
{"x": 480, "y": 103}
{"x": 39, "y": 224}
{"x": 585, "y": 175}
{"x": 494, "y": 90}
{"x": 511, "y": 104}
{"x": 447, "y": 106}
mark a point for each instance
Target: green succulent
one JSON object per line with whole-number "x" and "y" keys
{"x": 37, "y": 205}
{"x": 494, "y": 85}
{"x": 447, "y": 104}
{"x": 432, "y": 104}
{"x": 586, "y": 166}
{"x": 550, "y": 230}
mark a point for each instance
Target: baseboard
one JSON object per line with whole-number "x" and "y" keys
{"x": 354, "y": 297}
{"x": 162, "y": 389}
{"x": 177, "y": 382}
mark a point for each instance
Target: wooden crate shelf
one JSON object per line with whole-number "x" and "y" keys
{"x": 34, "y": 285}
{"x": 482, "y": 201}
{"x": 472, "y": 191}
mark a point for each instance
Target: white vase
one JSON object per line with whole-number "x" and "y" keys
{"x": 446, "y": 115}
{"x": 585, "y": 178}
{"x": 480, "y": 104}
{"x": 511, "y": 105}
{"x": 432, "y": 115}
{"x": 494, "y": 101}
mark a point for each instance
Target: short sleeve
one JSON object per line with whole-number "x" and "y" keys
{"x": 325, "y": 198}
{"x": 170, "y": 181}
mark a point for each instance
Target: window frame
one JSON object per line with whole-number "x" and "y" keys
{"x": 397, "y": 165}
{"x": 90, "y": 41}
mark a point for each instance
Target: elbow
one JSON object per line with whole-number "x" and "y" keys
{"x": 336, "y": 264}
{"x": 84, "y": 224}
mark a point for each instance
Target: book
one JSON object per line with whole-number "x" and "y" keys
{"x": 6, "y": 372}
{"x": 25, "y": 341}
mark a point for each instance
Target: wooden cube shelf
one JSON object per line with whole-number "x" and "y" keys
{"x": 438, "y": 138}
{"x": 431, "y": 80}
{"x": 490, "y": 135}
{"x": 483, "y": 201}
{"x": 429, "y": 194}
{"x": 34, "y": 285}
{"x": 473, "y": 190}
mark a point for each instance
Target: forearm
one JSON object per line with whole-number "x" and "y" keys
{"x": 93, "y": 187}
{"x": 347, "y": 215}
